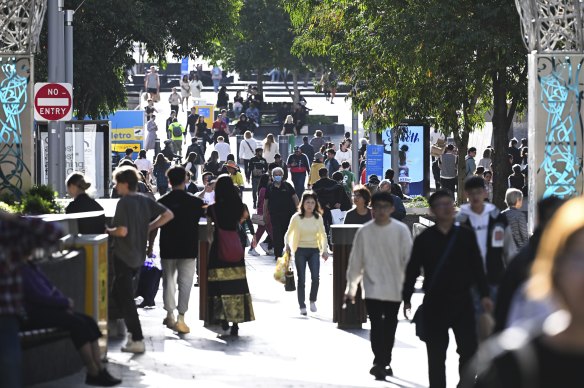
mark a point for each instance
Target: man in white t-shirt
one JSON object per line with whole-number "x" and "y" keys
{"x": 222, "y": 148}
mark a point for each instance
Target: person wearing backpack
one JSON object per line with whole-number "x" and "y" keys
{"x": 177, "y": 134}
{"x": 246, "y": 152}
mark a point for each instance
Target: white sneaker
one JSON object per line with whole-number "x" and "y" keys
{"x": 253, "y": 252}
{"x": 264, "y": 246}
{"x": 303, "y": 311}
{"x": 313, "y": 307}
{"x": 133, "y": 346}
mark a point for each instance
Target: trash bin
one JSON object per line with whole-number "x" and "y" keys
{"x": 284, "y": 146}
{"x": 354, "y": 315}
{"x": 96, "y": 278}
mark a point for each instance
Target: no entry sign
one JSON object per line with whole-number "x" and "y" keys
{"x": 53, "y": 101}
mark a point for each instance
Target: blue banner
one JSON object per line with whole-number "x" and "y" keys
{"x": 184, "y": 66}
{"x": 374, "y": 159}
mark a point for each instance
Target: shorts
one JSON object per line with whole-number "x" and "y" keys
{"x": 152, "y": 90}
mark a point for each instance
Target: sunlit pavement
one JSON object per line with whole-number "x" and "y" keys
{"x": 280, "y": 348}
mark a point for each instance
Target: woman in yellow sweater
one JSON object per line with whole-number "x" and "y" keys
{"x": 316, "y": 165}
{"x": 306, "y": 237}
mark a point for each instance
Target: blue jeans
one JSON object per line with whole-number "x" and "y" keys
{"x": 216, "y": 83}
{"x": 10, "y": 353}
{"x": 298, "y": 179}
{"x": 302, "y": 257}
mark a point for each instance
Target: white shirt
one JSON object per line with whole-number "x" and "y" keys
{"x": 434, "y": 136}
{"x": 341, "y": 156}
{"x": 143, "y": 164}
{"x": 209, "y": 198}
{"x": 480, "y": 225}
{"x": 247, "y": 148}
{"x": 196, "y": 87}
{"x": 223, "y": 149}
{"x": 379, "y": 257}
{"x": 269, "y": 154}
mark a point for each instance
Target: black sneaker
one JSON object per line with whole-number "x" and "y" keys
{"x": 378, "y": 371}
{"x": 103, "y": 379}
{"x": 388, "y": 371}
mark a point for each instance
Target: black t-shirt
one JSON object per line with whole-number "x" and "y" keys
{"x": 83, "y": 203}
{"x": 179, "y": 238}
{"x": 257, "y": 165}
{"x": 280, "y": 200}
{"x": 353, "y": 217}
{"x": 289, "y": 128}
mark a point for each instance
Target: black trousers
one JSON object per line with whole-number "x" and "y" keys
{"x": 123, "y": 292}
{"x": 383, "y": 317}
{"x": 327, "y": 218}
{"x": 438, "y": 321}
{"x": 279, "y": 227}
{"x": 448, "y": 184}
{"x": 246, "y": 168}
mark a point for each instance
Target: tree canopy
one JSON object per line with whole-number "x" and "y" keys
{"x": 105, "y": 32}
{"x": 436, "y": 60}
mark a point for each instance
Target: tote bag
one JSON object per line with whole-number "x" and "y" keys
{"x": 229, "y": 248}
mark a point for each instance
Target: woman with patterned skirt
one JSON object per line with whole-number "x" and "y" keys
{"x": 229, "y": 299}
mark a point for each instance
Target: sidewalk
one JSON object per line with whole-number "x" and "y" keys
{"x": 280, "y": 349}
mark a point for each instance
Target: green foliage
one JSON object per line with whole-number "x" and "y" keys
{"x": 320, "y": 120}
{"x": 9, "y": 208}
{"x": 417, "y": 201}
{"x": 8, "y": 198}
{"x": 40, "y": 199}
{"x": 105, "y": 33}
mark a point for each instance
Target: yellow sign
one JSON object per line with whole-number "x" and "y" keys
{"x": 121, "y": 147}
{"x": 207, "y": 112}
{"x": 128, "y": 134}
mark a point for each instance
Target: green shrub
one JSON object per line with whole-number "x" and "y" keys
{"x": 8, "y": 198}
{"x": 9, "y": 208}
{"x": 40, "y": 199}
{"x": 319, "y": 120}
{"x": 417, "y": 201}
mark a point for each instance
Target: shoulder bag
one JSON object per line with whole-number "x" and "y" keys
{"x": 229, "y": 248}
{"x": 418, "y": 318}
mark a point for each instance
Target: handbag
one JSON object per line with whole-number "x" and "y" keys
{"x": 290, "y": 284}
{"x": 418, "y": 318}
{"x": 229, "y": 248}
{"x": 282, "y": 267}
{"x": 258, "y": 219}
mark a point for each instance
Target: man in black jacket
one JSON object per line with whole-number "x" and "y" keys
{"x": 299, "y": 166}
{"x": 452, "y": 264}
{"x": 179, "y": 247}
{"x": 192, "y": 119}
{"x": 196, "y": 148}
{"x": 307, "y": 149}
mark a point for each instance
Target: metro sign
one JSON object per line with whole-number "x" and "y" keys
{"x": 53, "y": 101}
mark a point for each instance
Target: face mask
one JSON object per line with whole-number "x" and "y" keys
{"x": 278, "y": 178}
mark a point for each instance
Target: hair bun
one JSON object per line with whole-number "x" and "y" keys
{"x": 84, "y": 185}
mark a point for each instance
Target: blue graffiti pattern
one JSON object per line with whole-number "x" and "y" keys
{"x": 561, "y": 99}
{"x": 13, "y": 101}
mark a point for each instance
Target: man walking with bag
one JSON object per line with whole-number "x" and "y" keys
{"x": 452, "y": 264}
{"x": 381, "y": 249}
{"x": 178, "y": 248}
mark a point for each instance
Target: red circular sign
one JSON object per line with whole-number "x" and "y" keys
{"x": 53, "y": 102}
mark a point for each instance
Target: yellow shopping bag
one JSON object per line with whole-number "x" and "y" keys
{"x": 282, "y": 267}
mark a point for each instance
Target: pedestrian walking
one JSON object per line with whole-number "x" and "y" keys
{"x": 222, "y": 148}
{"x": 307, "y": 239}
{"x": 270, "y": 148}
{"x": 179, "y": 248}
{"x": 307, "y": 149}
{"x": 514, "y": 151}
{"x": 185, "y": 91}
{"x": 517, "y": 221}
{"x": 349, "y": 178}
{"x": 280, "y": 204}
{"x": 229, "y": 299}
{"x": 278, "y": 162}
{"x": 267, "y": 246}
{"x": 150, "y": 110}
{"x": 448, "y": 169}
{"x": 216, "y": 77}
{"x": 299, "y": 166}
{"x": 161, "y": 165}
{"x": 381, "y": 250}
{"x": 144, "y": 165}
{"x": 317, "y": 141}
{"x": 192, "y": 119}
{"x": 399, "y": 212}
{"x": 344, "y": 154}
{"x": 517, "y": 179}
{"x": 178, "y": 135}
{"x": 191, "y": 166}
{"x": 213, "y": 166}
{"x": 169, "y": 121}
{"x": 331, "y": 164}
{"x": 136, "y": 215}
{"x": 488, "y": 177}
{"x": 360, "y": 213}
{"x": 222, "y": 98}
{"x": 486, "y": 160}
{"x": 152, "y": 84}
{"x": 196, "y": 88}
{"x": 243, "y": 125}
{"x": 220, "y": 129}
{"x": 151, "y": 131}
{"x": 452, "y": 265}
{"x": 317, "y": 164}
{"x": 174, "y": 100}
{"x": 329, "y": 195}
{"x": 258, "y": 166}
{"x": 247, "y": 150}
{"x": 471, "y": 165}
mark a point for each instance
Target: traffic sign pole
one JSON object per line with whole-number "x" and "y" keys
{"x": 55, "y": 161}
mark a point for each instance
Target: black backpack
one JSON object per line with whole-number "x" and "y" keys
{"x": 176, "y": 131}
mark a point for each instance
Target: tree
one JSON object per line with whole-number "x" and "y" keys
{"x": 262, "y": 40}
{"x": 105, "y": 32}
{"x": 419, "y": 60}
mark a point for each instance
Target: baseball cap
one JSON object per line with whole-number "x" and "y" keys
{"x": 318, "y": 156}
{"x": 296, "y": 148}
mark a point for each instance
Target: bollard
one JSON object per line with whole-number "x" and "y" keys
{"x": 156, "y": 147}
{"x": 284, "y": 146}
{"x": 354, "y": 315}
{"x": 202, "y": 263}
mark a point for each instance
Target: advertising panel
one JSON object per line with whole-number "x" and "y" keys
{"x": 374, "y": 161}
{"x": 207, "y": 112}
{"x": 413, "y": 170}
